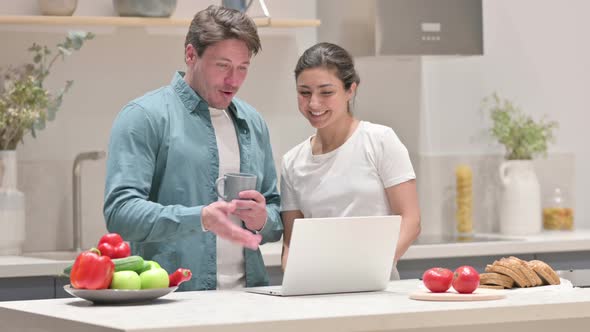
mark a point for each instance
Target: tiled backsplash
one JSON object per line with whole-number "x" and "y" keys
{"x": 437, "y": 183}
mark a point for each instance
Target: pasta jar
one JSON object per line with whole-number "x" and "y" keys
{"x": 557, "y": 212}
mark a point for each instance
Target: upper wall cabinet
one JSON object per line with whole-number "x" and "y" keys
{"x": 403, "y": 27}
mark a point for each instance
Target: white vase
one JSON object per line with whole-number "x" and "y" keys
{"x": 12, "y": 206}
{"x": 58, "y": 7}
{"x": 520, "y": 202}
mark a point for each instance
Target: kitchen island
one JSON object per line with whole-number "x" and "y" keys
{"x": 27, "y": 278}
{"x": 535, "y": 309}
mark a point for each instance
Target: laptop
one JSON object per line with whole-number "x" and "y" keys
{"x": 338, "y": 255}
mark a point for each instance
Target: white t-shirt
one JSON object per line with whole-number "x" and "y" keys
{"x": 230, "y": 256}
{"x": 349, "y": 181}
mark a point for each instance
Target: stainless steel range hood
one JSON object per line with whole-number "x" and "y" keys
{"x": 403, "y": 27}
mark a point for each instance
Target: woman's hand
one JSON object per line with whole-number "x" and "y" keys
{"x": 288, "y": 218}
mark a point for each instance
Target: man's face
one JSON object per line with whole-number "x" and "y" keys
{"x": 218, "y": 74}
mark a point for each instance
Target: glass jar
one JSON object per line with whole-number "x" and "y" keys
{"x": 557, "y": 212}
{"x": 464, "y": 201}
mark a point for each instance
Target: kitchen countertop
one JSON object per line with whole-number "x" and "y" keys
{"x": 20, "y": 266}
{"x": 544, "y": 242}
{"x": 533, "y": 309}
{"x": 547, "y": 241}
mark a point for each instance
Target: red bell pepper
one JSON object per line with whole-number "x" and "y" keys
{"x": 179, "y": 276}
{"x": 112, "y": 245}
{"x": 92, "y": 271}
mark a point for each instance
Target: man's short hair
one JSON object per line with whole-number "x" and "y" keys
{"x": 216, "y": 23}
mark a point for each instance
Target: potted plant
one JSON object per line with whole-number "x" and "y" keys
{"x": 523, "y": 139}
{"x": 26, "y": 106}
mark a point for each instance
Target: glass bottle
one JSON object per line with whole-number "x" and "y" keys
{"x": 557, "y": 212}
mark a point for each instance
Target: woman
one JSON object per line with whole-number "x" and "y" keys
{"x": 349, "y": 167}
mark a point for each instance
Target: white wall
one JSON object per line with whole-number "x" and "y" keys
{"x": 118, "y": 65}
{"x": 538, "y": 55}
{"x": 535, "y": 54}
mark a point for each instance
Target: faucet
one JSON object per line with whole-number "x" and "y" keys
{"x": 76, "y": 191}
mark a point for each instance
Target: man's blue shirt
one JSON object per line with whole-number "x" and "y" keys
{"x": 161, "y": 171}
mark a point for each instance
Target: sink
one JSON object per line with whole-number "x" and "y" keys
{"x": 53, "y": 255}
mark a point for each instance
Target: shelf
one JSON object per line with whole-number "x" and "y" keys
{"x": 141, "y": 21}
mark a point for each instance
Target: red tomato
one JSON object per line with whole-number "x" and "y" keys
{"x": 437, "y": 279}
{"x": 465, "y": 279}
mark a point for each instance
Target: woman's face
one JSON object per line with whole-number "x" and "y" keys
{"x": 321, "y": 97}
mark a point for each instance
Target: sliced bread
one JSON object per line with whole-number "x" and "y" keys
{"x": 545, "y": 272}
{"x": 492, "y": 278}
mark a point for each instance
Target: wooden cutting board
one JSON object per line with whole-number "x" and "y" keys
{"x": 480, "y": 294}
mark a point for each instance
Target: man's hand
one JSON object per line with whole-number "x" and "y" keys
{"x": 251, "y": 208}
{"x": 215, "y": 219}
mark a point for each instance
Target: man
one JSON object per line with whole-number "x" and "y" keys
{"x": 169, "y": 146}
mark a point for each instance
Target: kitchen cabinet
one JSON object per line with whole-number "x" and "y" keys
{"x": 33, "y": 288}
{"x": 60, "y": 282}
{"x": 575, "y": 260}
{"x": 27, "y": 288}
{"x": 31, "y": 278}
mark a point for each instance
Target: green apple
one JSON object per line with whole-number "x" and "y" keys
{"x": 154, "y": 278}
{"x": 148, "y": 265}
{"x": 154, "y": 265}
{"x": 126, "y": 280}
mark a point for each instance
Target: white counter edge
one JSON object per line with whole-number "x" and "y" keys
{"x": 546, "y": 242}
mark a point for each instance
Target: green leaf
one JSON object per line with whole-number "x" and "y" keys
{"x": 69, "y": 84}
{"x": 522, "y": 137}
{"x": 35, "y": 48}
{"x": 64, "y": 50}
{"x": 76, "y": 39}
{"x": 81, "y": 35}
{"x": 51, "y": 110}
{"x": 39, "y": 125}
